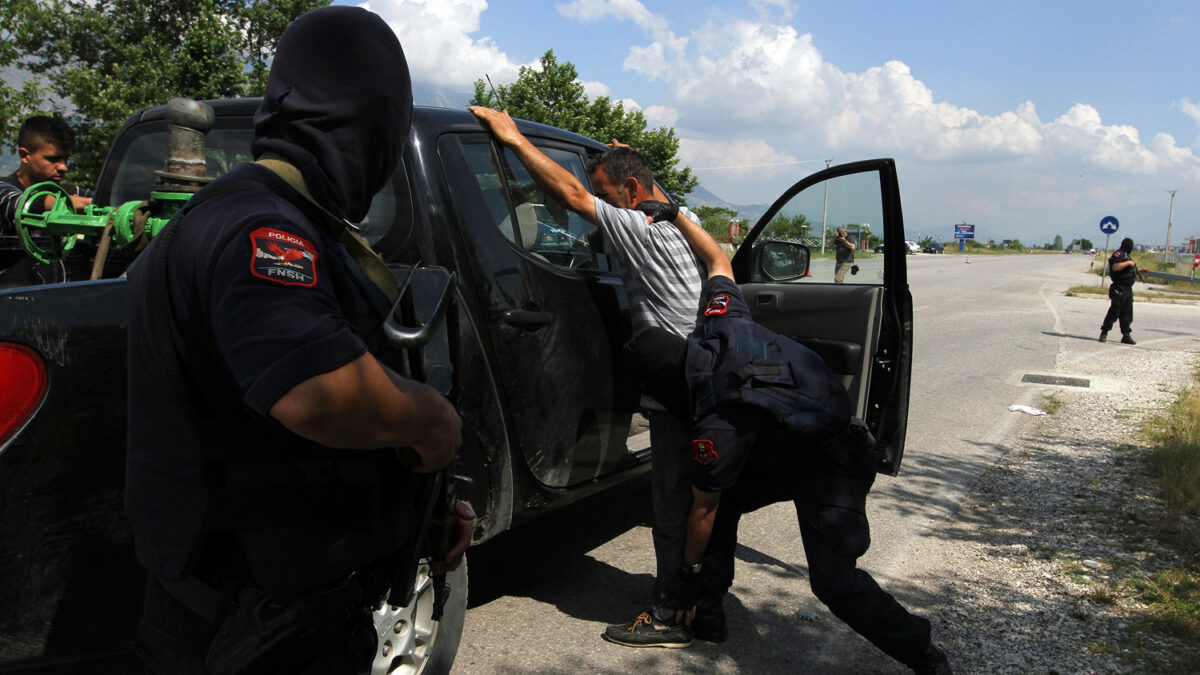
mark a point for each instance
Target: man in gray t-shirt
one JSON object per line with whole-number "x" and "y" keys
{"x": 661, "y": 274}
{"x": 662, "y": 278}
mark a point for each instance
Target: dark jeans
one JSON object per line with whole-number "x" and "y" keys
{"x": 672, "y": 497}
{"x": 830, "y": 508}
{"x": 1120, "y": 309}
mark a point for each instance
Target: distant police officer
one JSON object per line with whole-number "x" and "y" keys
{"x": 769, "y": 422}
{"x": 1123, "y": 272}
{"x": 265, "y": 480}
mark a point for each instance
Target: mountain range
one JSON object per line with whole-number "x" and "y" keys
{"x": 749, "y": 212}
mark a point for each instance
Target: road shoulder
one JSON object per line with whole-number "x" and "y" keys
{"x": 1021, "y": 580}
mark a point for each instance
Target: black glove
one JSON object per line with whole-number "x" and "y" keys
{"x": 853, "y": 270}
{"x": 682, "y": 590}
{"x": 658, "y": 210}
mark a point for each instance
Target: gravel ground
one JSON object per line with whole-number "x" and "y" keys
{"x": 1028, "y": 578}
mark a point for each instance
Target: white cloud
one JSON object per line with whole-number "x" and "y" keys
{"x": 765, "y": 7}
{"x": 660, "y": 116}
{"x": 737, "y": 158}
{"x": 436, "y": 35}
{"x": 656, "y": 25}
{"x": 594, "y": 89}
{"x": 757, "y": 79}
{"x": 1190, "y": 109}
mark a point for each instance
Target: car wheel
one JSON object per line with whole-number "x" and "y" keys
{"x": 410, "y": 641}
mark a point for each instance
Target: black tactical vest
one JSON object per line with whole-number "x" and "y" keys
{"x": 733, "y": 358}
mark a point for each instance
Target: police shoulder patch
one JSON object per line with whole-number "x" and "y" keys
{"x": 717, "y": 304}
{"x": 283, "y": 258}
{"x": 703, "y": 452}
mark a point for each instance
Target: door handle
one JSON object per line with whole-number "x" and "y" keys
{"x": 767, "y": 301}
{"x": 528, "y": 319}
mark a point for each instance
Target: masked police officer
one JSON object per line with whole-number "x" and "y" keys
{"x": 770, "y": 422}
{"x": 273, "y": 454}
{"x": 1123, "y": 271}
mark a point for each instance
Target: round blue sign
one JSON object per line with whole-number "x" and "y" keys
{"x": 1109, "y": 225}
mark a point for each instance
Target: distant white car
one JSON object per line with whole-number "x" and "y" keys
{"x": 913, "y": 247}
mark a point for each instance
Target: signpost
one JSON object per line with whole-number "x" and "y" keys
{"x": 963, "y": 232}
{"x": 1108, "y": 225}
{"x": 1195, "y": 264}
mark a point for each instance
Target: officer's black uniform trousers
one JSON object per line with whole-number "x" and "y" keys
{"x": 835, "y": 532}
{"x": 1120, "y": 308}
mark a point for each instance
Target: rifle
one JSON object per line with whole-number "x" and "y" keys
{"x": 406, "y": 331}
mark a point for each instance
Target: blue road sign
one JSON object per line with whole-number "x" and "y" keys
{"x": 1109, "y": 225}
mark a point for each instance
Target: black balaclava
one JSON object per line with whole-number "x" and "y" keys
{"x": 1127, "y": 245}
{"x": 338, "y": 106}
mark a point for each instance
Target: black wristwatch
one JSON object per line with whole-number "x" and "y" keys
{"x": 694, "y": 568}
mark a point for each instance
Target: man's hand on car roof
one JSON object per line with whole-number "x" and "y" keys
{"x": 500, "y": 123}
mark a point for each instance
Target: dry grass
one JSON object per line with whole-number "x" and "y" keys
{"x": 1175, "y": 461}
{"x": 1172, "y": 596}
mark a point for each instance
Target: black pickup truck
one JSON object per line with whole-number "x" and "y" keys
{"x": 548, "y": 406}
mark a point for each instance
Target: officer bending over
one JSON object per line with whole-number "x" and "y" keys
{"x": 273, "y": 456}
{"x": 770, "y": 422}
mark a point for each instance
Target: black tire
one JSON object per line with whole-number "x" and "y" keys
{"x": 410, "y": 641}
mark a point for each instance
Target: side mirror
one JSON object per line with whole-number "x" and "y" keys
{"x": 783, "y": 260}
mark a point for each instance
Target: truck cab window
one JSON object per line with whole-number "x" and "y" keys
{"x": 545, "y": 227}
{"x": 224, "y": 149}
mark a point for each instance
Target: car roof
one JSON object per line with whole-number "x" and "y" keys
{"x": 428, "y": 121}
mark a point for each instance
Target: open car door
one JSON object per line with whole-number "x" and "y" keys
{"x": 861, "y": 326}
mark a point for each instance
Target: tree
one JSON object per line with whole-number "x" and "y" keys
{"x": 102, "y": 60}
{"x": 553, "y": 95}
{"x": 787, "y": 227}
{"x": 1058, "y": 245}
{"x": 715, "y": 220}
{"x": 19, "y": 99}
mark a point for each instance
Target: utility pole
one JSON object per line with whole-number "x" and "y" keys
{"x": 1170, "y": 215}
{"x": 825, "y": 209}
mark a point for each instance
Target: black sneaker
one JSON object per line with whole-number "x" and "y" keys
{"x": 709, "y": 622}
{"x": 643, "y": 633}
{"x": 1127, "y": 339}
{"x": 1104, "y": 336}
{"x": 932, "y": 662}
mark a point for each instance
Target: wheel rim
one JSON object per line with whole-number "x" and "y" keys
{"x": 406, "y": 634}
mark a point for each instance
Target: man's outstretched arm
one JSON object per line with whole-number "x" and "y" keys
{"x": 555, "y": 180}
{"x": 705, "y": 247}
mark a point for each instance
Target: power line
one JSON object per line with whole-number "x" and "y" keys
{"x": 756, "y": 166}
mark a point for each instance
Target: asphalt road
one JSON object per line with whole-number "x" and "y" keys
{"x": 541, "y": 595}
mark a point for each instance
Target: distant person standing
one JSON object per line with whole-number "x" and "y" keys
{"x": 845, "y": 255}
{"x": 44, "y": 146}
{"x": 1123, "y": 272}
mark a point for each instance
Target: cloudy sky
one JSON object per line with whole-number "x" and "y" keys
{"x": 1026, "y": 118}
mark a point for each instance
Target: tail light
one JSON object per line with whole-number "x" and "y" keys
{"x": 22, "y": 386}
